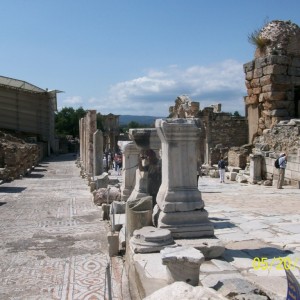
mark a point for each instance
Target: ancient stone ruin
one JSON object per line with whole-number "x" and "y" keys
{"x": 273, "y": 78}
{"x": 218, "y": 129}
{"x": 273, "y": 100}
{"x": 17, "y": 157}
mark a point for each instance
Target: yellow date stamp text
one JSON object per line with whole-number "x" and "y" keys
{"x": 279, "y": 263}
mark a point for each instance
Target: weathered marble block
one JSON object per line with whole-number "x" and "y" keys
{"x": 150, "y": 239}
{"x": 183, "y": 264}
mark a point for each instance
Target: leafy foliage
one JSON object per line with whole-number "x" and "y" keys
{"x": 67, "y": 121}
{"x": 255, "y": 39}
{"x": 134, "y": 124}
{"x": 100, "y": 122}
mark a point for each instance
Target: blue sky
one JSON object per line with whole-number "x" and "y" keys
{"x": 135, "y": 56}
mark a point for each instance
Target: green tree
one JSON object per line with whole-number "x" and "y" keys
{"x": 100, "y": 122}
{"x": 236, "y": 114}
{"x": 67, "y": 121}
{"x": 134, "y": 124}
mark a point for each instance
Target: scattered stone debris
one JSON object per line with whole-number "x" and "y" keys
{"x": 17, "y": 157}
{"x": 104, "y": 195}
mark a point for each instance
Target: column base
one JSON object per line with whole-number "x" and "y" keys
{"x": 189, "y": 224}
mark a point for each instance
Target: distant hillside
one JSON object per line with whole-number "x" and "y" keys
{"x": 147, "y": 120}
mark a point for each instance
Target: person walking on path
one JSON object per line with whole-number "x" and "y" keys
{"x": 221, "y": 167}
{"x": 282, "y": 165}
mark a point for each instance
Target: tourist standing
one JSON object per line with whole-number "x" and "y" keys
{"x": 221, "y": 167}
{"x": 282, "y": 165}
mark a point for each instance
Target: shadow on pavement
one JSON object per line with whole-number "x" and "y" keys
{"x": 60, "y": 157}
{"x": 13, "y": 189}
{"x": 35, "y": 175}
{"x": 40, "y": 170}
{"x": 268, "y": 252}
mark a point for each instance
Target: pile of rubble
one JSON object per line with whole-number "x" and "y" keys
{"x": 16, "y": 157}
{"x": 284, "y": 137}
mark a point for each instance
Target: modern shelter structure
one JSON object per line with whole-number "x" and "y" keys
{"x": 28, "y": 109}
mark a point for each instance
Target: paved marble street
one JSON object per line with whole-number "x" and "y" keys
{"x": 253, "y": 222}
{"x": 53, "y": 243}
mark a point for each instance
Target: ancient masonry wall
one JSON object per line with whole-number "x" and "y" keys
{"x": 223, "y": 131}
{"x": 272, "y": 85}
{"x": 17, "y": 157}
{"x": 228, "y": 131}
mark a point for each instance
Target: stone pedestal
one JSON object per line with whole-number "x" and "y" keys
{"x": 113, "y": 243}
{"x": 255, "y": 168}
{"x": 180, "y": 207}
{"x": 130, "y": 164}
{"x": 183, "y": 264}
{"x": 150, "y": 239}
{"x": 138, "y": 214}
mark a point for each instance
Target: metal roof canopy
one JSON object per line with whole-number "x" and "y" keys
{"x": 28, "y": 87}
{"x": 20, "y": 84}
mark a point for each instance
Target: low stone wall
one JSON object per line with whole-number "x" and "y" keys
{"x": 283, "y": 137}
{"x": 17, "y": 157}
{"x": 292, "y": 171}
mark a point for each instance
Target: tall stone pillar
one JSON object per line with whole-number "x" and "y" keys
{"x": 130, "y": 164}
{"x": 98, "y": 153}
{"x": 180, "y": 207}
{"x": 81, "y": 139}
{"x": 85, "y": 144}
{"x": 91, "y": 129}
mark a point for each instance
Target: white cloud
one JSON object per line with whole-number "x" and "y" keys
{"x": 73, "y": 101}
{"x": 156, "y": 90}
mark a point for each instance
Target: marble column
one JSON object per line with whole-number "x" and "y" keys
{"x": 180, "y": 207}
{"x": 130, "y": 164}
{"x": 98, "y": 153}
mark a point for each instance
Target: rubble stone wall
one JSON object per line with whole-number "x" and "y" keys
{"x": 238, "y": 157}
{"x": 271, "y": 85}
{"x": 17, "y": 156}
{"x": 228, "y": 131}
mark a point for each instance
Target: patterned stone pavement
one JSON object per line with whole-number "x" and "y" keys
{"x": 253, "y": 222}
{"x": 53, "y": 244}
